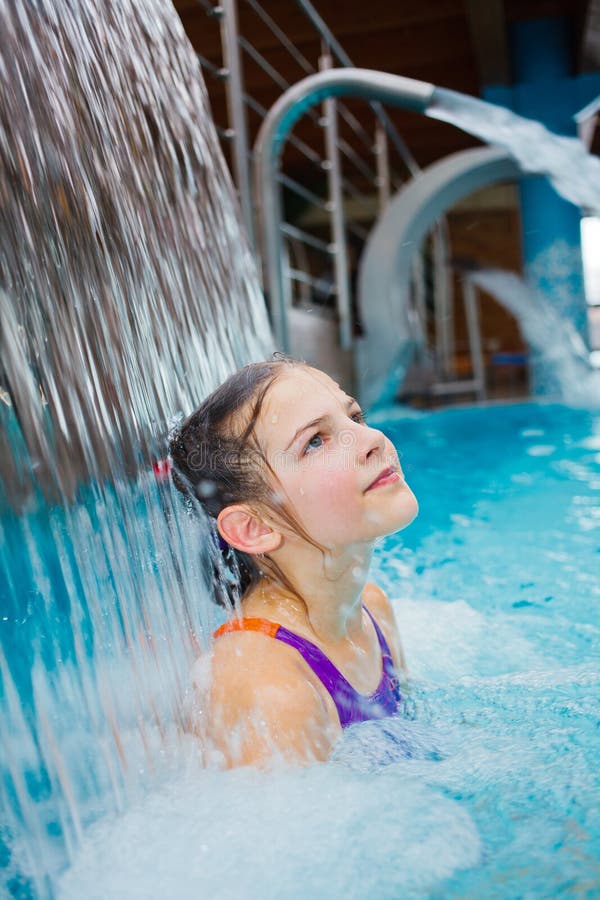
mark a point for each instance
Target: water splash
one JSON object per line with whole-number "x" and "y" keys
{"x": 553, "y": 336}
{"x": 572, "y": 170}
{"x": 127, "y": 292}
{"x": 565, "y": 361}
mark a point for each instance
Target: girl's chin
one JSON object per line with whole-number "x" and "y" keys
{"x": 400, "y": 517}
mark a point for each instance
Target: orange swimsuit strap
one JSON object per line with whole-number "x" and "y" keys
{"x": 261, "y": 625}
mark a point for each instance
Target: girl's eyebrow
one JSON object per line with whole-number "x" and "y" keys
{"x": 350, "y": 402}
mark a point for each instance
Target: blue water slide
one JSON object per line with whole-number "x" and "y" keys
{"x": 393, "y": 331}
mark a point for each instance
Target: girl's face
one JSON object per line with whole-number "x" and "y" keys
{"x": 342, "y": 477}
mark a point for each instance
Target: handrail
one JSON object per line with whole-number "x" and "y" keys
{"x": 237, "y": 111}
{"x": 338, "y": 51}
{"x": 342, "y": 162}
{"x": 281, "y": 37}
{"x": 302, "y": 96}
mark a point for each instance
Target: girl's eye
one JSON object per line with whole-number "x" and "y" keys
{"x": 314, "y": 443}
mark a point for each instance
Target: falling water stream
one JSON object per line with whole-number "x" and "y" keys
{"x": 573, "y": 171}
{"x": 550, "y": 334}
{"x": 126, "y": 293}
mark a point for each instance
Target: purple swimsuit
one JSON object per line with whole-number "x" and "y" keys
{"x": 351, "y": 706}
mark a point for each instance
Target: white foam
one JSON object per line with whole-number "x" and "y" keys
{"x": 321, "y": 832}
{"x": 446, "y": 641}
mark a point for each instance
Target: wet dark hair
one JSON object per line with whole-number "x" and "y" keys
{"x": 216, "y": 460}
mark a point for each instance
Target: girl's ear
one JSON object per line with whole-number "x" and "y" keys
{"x": 241, "y": 528}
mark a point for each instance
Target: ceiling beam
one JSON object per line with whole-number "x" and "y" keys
{"x": 487, "y": 25}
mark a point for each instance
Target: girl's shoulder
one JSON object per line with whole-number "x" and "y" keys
{"x": 374, "y": 596}
{"x": 259, "y": 704}
{"x": 252, "y": 654}
{"x": 247, "y": 666}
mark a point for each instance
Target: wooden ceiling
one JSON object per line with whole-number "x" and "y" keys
{"x": 457, "y": 44}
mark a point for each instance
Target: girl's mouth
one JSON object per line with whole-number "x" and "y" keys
{"x": 387, "y": 476}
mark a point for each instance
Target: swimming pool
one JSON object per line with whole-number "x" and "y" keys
{"x": 489, "y": 785}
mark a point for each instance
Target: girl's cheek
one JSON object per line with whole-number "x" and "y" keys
{"x": 336, "y": 489}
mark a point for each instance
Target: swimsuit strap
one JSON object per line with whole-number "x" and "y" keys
{"x": 351, "y": 706}
{"x": 386, "y": 654}
{"x": 264, "y": 626}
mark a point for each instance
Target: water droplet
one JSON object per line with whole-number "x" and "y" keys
{"x": 206, "y": 488}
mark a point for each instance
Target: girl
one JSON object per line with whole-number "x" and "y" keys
{"x": 300, "y": 488}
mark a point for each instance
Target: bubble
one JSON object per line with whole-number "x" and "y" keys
{"x": 206, "y": 488}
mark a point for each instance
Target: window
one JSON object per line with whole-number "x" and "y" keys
{"x": 590, "y": 251}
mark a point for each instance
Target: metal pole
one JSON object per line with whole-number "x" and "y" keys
{"x": 472, "y": 315}
{"x": 442, "y": 233}
{"x": 237, "y": 112}
{"x": 336, "y": 205}
{"x": 382, "y": 159}
{"x": 338, "y": 51}
{"x": 442, "y": 300}
{"x": 418, "y": 283}
{"x": 309, "y": 92}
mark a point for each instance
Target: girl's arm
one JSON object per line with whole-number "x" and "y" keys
{"x": 255, "y": 708}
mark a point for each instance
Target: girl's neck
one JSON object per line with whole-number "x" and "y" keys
{"x": 328, "y": 600}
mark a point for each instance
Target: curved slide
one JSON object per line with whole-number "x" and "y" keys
{"x": 392, "y": 329}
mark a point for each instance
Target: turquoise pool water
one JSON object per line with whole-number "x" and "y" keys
{"x": 500, "y": 611}
{"x": 488, "y": 786}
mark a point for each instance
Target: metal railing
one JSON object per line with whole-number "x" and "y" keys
{"x": 362, "y": 162}
{"x": 323, "y": 86}
{"x": 391, "y": 163}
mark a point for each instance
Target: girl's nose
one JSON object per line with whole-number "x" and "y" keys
{"x": 373, "y": 442}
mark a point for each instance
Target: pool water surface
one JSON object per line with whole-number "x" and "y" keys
{"x": 488, "y": 785}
